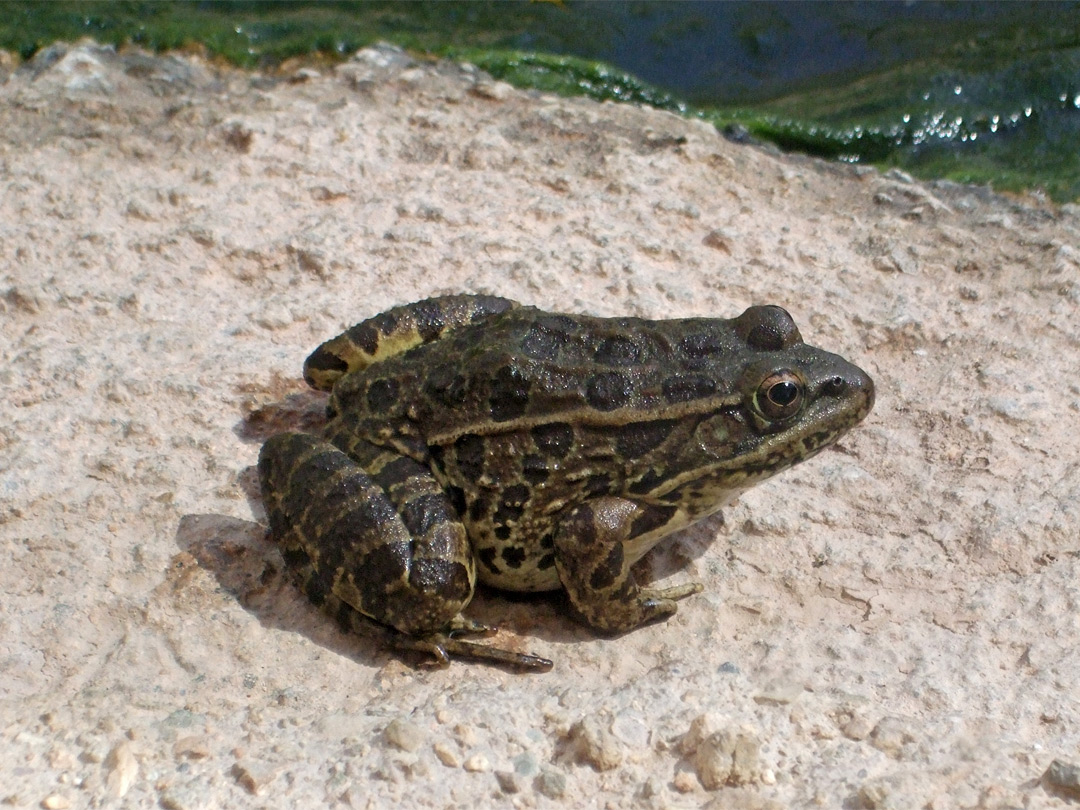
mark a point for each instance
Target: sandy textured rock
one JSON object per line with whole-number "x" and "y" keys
{"x": 898, "y": 619}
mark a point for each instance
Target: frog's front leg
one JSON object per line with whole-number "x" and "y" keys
{"x": 594, "y": 553}
{"x": 372, "y": 531}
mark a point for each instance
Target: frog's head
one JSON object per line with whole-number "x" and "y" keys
{"x": 784, "y": 402}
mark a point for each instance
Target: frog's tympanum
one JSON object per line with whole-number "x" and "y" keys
{"x": 473, "y": 438}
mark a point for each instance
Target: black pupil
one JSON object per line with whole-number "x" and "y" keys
{"x": 783, "y": 393}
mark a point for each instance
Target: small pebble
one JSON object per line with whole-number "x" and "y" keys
{"x": 477, "y": 763}
{"x": 551, "y": 783}
{"x": 1063, "y": 778}
{"x": 630, "y": 728}
{"x": 122, "y": 769}
{"x": 684, "y": 782}
{"x": 246, "y": 776}
{"x": 446, "y": 755}
{"x": 526, "y": 764}
{"x": 892, "y": 736}
{"x": 509, "y": 782}
{"x": 404, "y": 735}
{"x": 595, "y": 744}
{"x": 721, "y": 754}
{"x": 191, "y": 748}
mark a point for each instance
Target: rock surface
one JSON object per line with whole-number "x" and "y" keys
{"x": 897, "y": 621}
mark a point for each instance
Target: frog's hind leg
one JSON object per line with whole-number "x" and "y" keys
{"x": 395, "y": 331}
{"x": 371, "y": 540}
{"x": 371, "y": 532}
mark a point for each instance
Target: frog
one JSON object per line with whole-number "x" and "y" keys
{"x": 470, "y": 438}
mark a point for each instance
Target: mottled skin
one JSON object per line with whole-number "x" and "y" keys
{"x": 470, "y": 437}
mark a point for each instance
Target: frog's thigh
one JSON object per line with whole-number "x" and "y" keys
{"x": 389, "y": 543}
{"x": 593, "y": 556}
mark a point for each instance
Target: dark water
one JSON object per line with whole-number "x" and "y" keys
{"x": 977, "y": 92}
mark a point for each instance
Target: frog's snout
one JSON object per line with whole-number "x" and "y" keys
{"x": 856, "y": 386}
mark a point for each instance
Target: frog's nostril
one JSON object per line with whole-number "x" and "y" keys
{"x": 835, "y": 386}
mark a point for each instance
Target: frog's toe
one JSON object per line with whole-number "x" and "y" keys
{"x": 481, "y": 652}
{"x": 460, "y": 626}
{"x": 444, "y": 646}
{"x": 674, "y": 593}
{"x": 430, "y": 645}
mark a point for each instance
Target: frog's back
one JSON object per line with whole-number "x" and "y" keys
{"x": 525, "y": 367}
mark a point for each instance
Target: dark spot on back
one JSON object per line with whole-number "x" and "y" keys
{"x": 509, "y": 394}
{"x": 503, "y": 532}
{"x": 637, "y": 439}
{"x": 382, "y": 395}
{"x": 618, "y": 351}
{"x": 553, "y": 439}
{"x": 513, "y": 556}
{"x": 685, "y": 387}
{"x": 557, "y": 323}
{"x": 546, "y": 562}
{"x": 703, "y": 344}
{"x": 542, "y": 342}
{"x": 488, "y": 305}
{"x": 446, "y": 386}
{"x": 608, "y": 390}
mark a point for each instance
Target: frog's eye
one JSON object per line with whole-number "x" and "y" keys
{"x": 780, "y": 395}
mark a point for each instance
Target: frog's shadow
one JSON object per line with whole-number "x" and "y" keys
{"x": 248, "y": 565}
